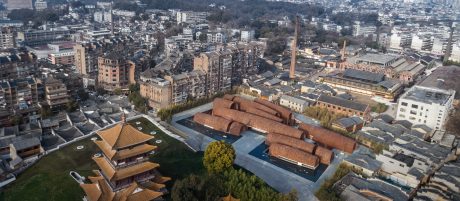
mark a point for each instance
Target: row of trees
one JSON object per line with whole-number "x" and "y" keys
{"x": 167, "y": 113}
{"x": 222, "y": 179}
{"x": 37, "y": 17}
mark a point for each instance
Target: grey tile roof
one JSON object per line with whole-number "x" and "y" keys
{"x": 364, "y": 161}
{"x": 383, "y": 126}
{"x": 349, "y": 121}
{"x": 374, "y": 185}
{"x": 343, "y": 103}
{"x": 364, "y": 76}
{"x": 24, "y": 143}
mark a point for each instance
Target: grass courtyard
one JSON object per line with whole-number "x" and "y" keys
{"x": 49, "y": 178}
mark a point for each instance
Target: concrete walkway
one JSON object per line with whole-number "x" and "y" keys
{"x": 282, "y": 180}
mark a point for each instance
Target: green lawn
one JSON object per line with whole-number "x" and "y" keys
{"x": 49, "y": 178}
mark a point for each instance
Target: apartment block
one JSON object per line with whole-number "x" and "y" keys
{"x": 186, "y": 86}
{"x": 157, "y": 91}
{"x": 115, "y": 72}
{"x": 85, "y": 58}
{"x": 7, "y": 38}
{"x": 191, "y": 17}
{"x": 19, "y": 96}
{"x": 63, "y": 58}
{"x": 18, "y": 65}
{"x": 425, "y": 105}
{"x": 40, "y": 37}
{"x": 56, "y": 94}
{"x": 218, "y": 69}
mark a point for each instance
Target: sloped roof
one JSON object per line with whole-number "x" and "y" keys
{"x": 112, "y": 174}
{"x": 343, "y": 103}
{"x": 364, "y": 75}
{"x": 123, "y": 135}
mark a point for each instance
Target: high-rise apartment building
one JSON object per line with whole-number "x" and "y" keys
{"x": 157, "y": 91}
{"x": 115, "y": 72}
{"x": 7, "y": 38}
{"x": 214, "y": 72}
{"x": 218, "y": 69}
{"x": 85, "y": 58}
{"x": 186, "y": 86}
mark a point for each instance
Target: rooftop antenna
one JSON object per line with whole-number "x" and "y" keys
{"x": 294, "y": 48}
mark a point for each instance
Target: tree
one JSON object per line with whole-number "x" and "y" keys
{"x": 45, "y": 111}
{"x": 218, "y": 156}
{"x": 453, "y": 124}
{"x": 134, "y": 87}
{"x": 82, "y": 94}
{"x": 71, "y": 106}
{"x": 203, "y": 37}
{"x": 15, "y": 120}
{"x": 199, "y": 188}
{"x": 117, "y": 91}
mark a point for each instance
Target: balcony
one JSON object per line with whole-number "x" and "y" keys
{"x": 130, "y": 163}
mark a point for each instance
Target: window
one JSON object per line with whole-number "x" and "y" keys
{"x": 402, "y": 110}
{"x": 412, "y": 118}
{"x": 414, "y": 106}
{"x": 403, "y": 116}
{"x": 413, "y": 112}
{"x": 403, "y": 103}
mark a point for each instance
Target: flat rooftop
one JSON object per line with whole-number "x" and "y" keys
{"x": 444, "y": 77}
{"x": 377, "y": 58}
{"x": 428, "y": 95}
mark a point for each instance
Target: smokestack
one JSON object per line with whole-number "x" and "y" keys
{"x": 343, "y": 50}
{"x": 111, "y": 16}
{"x": 294, "y": 49}
{"x": 449, "y": 44}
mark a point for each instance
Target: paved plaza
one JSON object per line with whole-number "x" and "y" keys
{"x": 278, "y": 178}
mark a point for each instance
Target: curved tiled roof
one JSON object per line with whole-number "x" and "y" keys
{"x": 329, "y": 138}
{"x": 263, "y": 114}
{"x": 293, "y": 154}
{"x": 245, "y": 105}
{"x": 325, "y": 155}
{"x": 220, "y": 102}
{"x": 217, "y": 123}
{"x": 236, "y": 128}
{"x": 123, "y": 173}
{"x": 286, "y": 114}
{"x": 124, "y": 153}
{"x": 257, "y": 122}
{"x": 123, "y": 135}
{"x": 289, "y": 141}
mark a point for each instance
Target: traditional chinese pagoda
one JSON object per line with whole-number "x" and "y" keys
{"x": 125, "y": 172}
